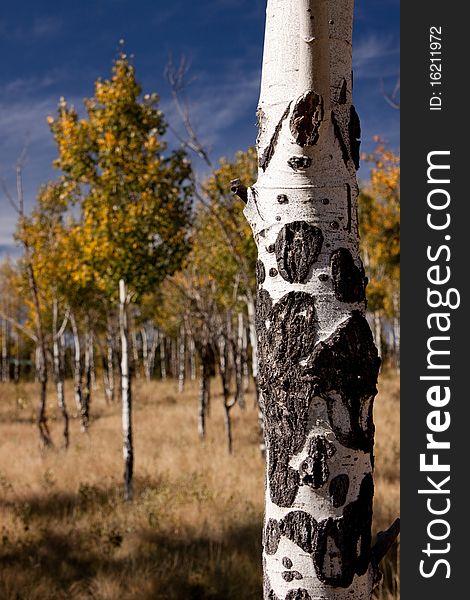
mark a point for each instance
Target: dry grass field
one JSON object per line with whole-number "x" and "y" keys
{"x": 193, "y": 531}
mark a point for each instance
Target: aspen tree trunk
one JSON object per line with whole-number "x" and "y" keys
{"x": 239, "y": 360}
{"x": 153, "y": 352}
{"x": 181, "y": 361}
{"x": 203, "y": 393}
{"x": 86, "y": 396}
{"x": 378, "y": 332}
{"x": 245, "y": 369}
{"x": 224, "y": 377}
{"x": 149, "y": 351}
{"x": 77, "y": 371}
{"x": 108, "y": 370}
{"x": 41, "y": 356}
{"x": 16, "y": 371}
{"x": 396, "y": 327}
{"x": 250, "y": 305}
{"x": 318, "y": 364}
{"x": 5, "y": 356}
{"x": 126, "y": 396}
{"x": 162, "y": 357}
{"x": 94, "y": 385}
{"x": 145, "y": 353}
{"x": 174, "y": 358}
{"x": 41, "y": 365}
{"x": 192, "y": 358}
{"x": 135, "y": 353}
{"x": 59, "y": 373}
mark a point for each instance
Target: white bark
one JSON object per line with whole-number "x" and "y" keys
{"x": 181, "y": 360}
{"x": 192, "y": 359}
{"x": 378, "y": 332}
{"x": 59, "y": 373}
{"x": 126, "y": 397}
{"x": 108, "y": 368}
{"x": 239, "y": 362}
{"x": 77, "y": 369}
{"x": 5, "y": 357}
{"x": 162, "y": 357}
{"x": 303, "y": 212}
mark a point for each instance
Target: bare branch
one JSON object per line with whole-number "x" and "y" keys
{"x": 64, "y": 323}
{"x": 8, "y": 196}
{"x": 177, "y": 77}
{"x": 391, "y": 98}
{"x": 20, "y": 327}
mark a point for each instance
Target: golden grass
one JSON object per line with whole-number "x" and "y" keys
{"x": 193, "y": 531}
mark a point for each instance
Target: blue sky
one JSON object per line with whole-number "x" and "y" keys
{"x": 51, "y": 49}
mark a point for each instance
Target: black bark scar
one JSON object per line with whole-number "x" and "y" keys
{"x": 297, "y": 247}
{"x": 348, "y": 279}
{"x": 268, "y": 152}
{"x": 307, "y": 116}
{"x": 354, "y": 136}
{"x": 339, "y": 137}
{"x": 351, "y": 535}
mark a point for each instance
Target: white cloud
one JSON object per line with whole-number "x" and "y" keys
{"x": 46, "y": 26}
{"x": 375, "y": 57}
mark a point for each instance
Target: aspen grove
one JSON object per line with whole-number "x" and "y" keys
{"x": 262, "y": 295}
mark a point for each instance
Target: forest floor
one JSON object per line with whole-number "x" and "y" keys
{"x": 193, "y": 531}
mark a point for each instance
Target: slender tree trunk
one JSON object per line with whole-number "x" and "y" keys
{"x": 181, "y": 361}
{"x": 245, "y": 368}
{"x": 203, "y": 393}
{"x": 16, "y": 370}
{"x": 396, "y": 327}
{"x": 378, "y": 332}
{"x": 150, "y": 363}
{"x": 228, "y": 426}
{"x": 162, "y": 357}
{"x": 93, "y": 383}
{"x": 135, "y": 353}
{"x": 239, "y": 363}
{"x": 5, "y": 354}
{"x": 43, "y": 426}
{"x": 228, "y": 404}
{"x": 127, "y": 446}
{"x": 59, "y": 373}
{"x": 153, "y": 352}
{"x": 174, "y": 358}
{"x": 86, "y": 394}
{"x": 36, "y": 364}
{"x": 77, "y": 371}
{"x": 318, "y": 364}
{"x": 192, "y": 358}
{"x": 108, "y": 367}
{"x": 145, "y": 353}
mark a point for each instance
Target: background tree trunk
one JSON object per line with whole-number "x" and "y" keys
{"x": 59, "y": 372}
{"x": 203, "y": 394}
{"x": 108, "y": 367}
{"x": 88, "y": 363}
{"x": 239, "y": 361}
{"x": 181, "y": 360}
{"x": 318, "y": 364}
{"x": 162, "y": 357}
{"x": 126, "y": 395}
{"x": 5, "y": 354}
{"x": 77, "y": 372}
